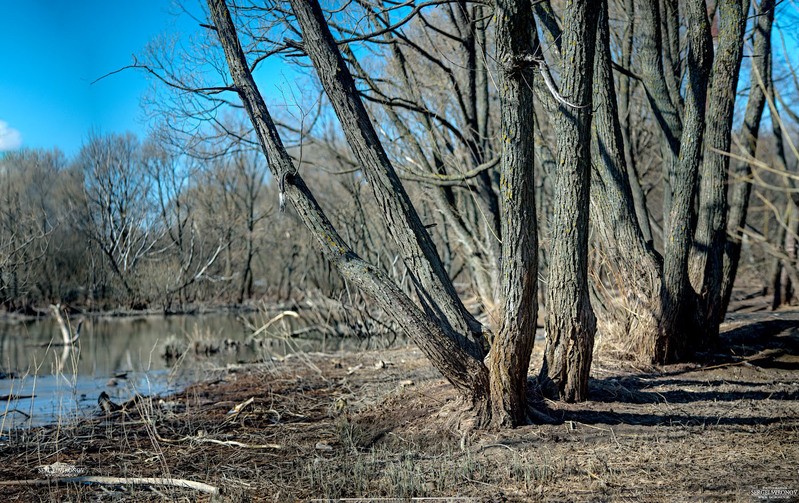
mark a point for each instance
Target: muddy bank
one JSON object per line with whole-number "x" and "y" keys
{"x": 380, "y": 424}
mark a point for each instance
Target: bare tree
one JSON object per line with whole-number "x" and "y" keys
{"x": 442, "y": 327}
{"x": 117, "y": 214}
{"x": 187, "y": 251}
{"x": 31, "y": 183}
{"x": 665, "y": 317}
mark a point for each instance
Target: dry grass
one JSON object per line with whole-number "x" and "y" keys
{"x": 352, "y": 425}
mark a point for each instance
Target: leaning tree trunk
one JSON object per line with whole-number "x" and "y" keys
{"x": 711, "y": 232}
{"x": 570, "y": 321}
{"x": 441, "y": 328}
{"x": 510, "y": 352}
{"x": 437, "y": 340}
{"x": 433, "y": 286}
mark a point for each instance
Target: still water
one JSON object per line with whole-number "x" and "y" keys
{"x": 43, "y": 382}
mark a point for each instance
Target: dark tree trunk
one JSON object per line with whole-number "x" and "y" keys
{"x": 670, "y": 23}
{"x": 549, "y": 24}
{"x": 679, "y": 299}
{"x": 740, "y": 191}
{"x": 786, "y": 277}
{"x": 483, "y": 96}
{"x": 439, "y": 329}
{"x": 711, "y": 232}
{"x": 510, "y": 353}
{"x": 664, "y": 104}
{"x": 570, "y": 321}
{"x": 624, "y": 111}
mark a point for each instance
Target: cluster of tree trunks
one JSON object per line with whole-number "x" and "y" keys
{"x": 667, "y": 303}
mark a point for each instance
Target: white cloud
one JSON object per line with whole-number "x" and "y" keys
{"x": 10, "y": 138}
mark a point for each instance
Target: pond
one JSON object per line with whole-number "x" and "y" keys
{"x": 42, "y": 382}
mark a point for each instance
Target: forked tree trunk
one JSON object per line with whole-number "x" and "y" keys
{"x": 437, "y": 341}
{"x": 442, "y": 328}
{"x": 633, "y": 313}
{"x": 657, "y": 301}
{"x": 657, "y": 308}
{"x": 511, "y": 351}
{"x": 570, "y": 321}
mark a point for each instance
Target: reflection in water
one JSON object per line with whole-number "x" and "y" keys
{"x": 124, "y": 356}
{"x": 107, "y": 345}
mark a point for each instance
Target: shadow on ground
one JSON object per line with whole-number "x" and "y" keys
{"x": 753, "y": 364}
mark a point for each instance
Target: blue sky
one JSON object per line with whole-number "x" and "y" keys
{"x": 51, "y": 52}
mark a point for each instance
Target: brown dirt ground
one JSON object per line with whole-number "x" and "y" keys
{"x": 381, "y": 425}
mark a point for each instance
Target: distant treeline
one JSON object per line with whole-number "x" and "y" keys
{"x": 129, "y": 224}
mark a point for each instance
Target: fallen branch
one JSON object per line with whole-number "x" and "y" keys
{"x": 8, "y": 398}
{"x": 269, "y": 323}
{"x": 228, "y": 443}
{"x": 202, "y": 439}
{"x": 238, "y": 408}
{"x": 234, "y": 443}
{"x": 142, "y": 481}
{"x": 762, "y": 355}
{"x": 17, "y": 411}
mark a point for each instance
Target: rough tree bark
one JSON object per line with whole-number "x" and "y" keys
{"x": 443, "y": 347}
{"x": 678, "y": 297}
{"x": 672, "y": 62}
{"x": 657, "y": 307}
{"x": 624, "y": 111}
{"x": 570, "y": 321}
{"x": 664, "y": 104}
{"x": 613, "y": 215}
{"x": 711, "y": 232}
{"x": 510, "y": 354}
{"x": 740, "y": 188}
{"x": 441, "y": 328}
